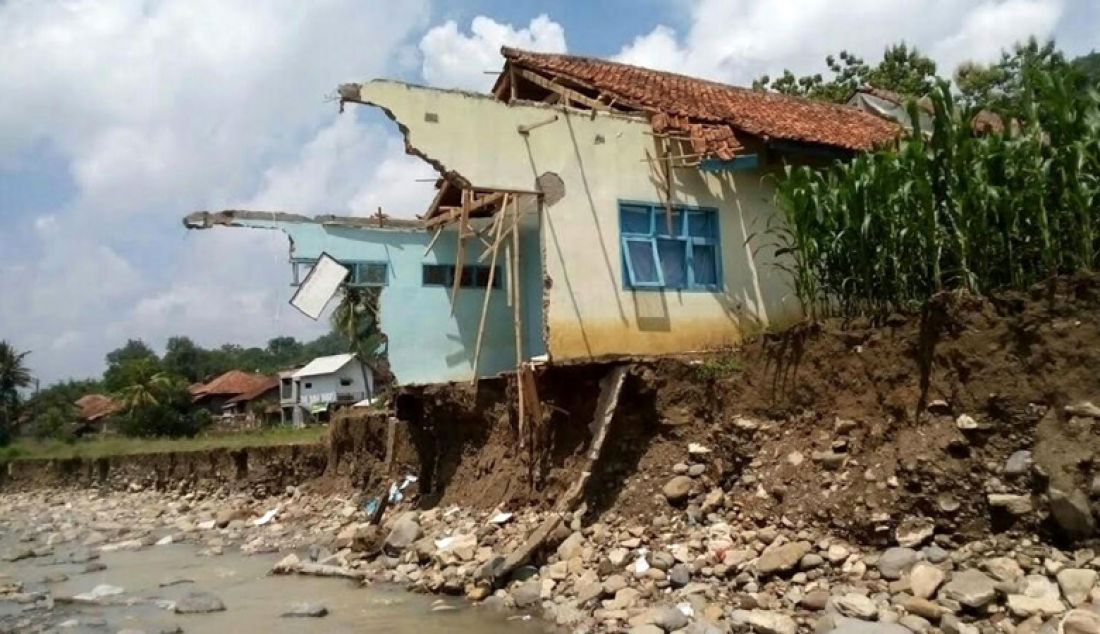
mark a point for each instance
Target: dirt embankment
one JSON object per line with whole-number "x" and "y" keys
{"x": 850, "y": 426}
{"x": 262, "y": 470}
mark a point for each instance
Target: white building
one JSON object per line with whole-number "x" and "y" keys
{"x": 323, "y": 382}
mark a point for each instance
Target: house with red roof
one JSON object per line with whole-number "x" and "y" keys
{"x": 230, "y": 396}
{"x": 585, "y": 210}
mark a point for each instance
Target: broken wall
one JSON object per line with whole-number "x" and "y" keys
{"x": 428, "y": 342}
{"x": 600, "y": 159}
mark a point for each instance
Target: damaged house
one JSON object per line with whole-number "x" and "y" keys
{"x": 585, "y": 210}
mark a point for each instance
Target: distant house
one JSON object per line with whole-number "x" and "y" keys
{"x": 216, "y": 394}
{"x": 93, "y": 411}
{"x": 256, "y": 407}
{"x": 324, "y": 382}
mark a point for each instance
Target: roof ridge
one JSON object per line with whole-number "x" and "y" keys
{"x": 510, "y": 52}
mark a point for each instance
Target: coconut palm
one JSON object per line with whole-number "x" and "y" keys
{"x": 13, "y": 376}
{"x": 355, "y": 319}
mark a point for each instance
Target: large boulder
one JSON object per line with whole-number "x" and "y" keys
{"x": 781, "y": 558}
{"x": 764, "y": 621}
{"x": 894, "y": 562}
{"x": 1072, "y": 513}
{"x": 404, "y": 532}
{"x": 199, "y": 603}
{"x": 971, "y": 588}
{"x": 678, "y": 489}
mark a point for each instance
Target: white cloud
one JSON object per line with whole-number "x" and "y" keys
{"x": 738, "y": 40}
{"x": 453, "y": 59}
{"x": 161, "y": 107}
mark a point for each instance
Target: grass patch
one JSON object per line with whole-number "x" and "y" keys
{"x": 28, "y": 449}
{"x": 720, "y": 366}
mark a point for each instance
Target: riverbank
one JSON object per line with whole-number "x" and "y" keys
{"x": 94, "y": 448}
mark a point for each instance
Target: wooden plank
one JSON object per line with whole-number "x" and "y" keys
{"x": 434, "y": 238}
{"x": 460, "y": 256}
{"x": 488, "y": 295}
{"x": 517, "y": 320}
{"x": 565, "y": 92}
{"x": 456, "y": 212}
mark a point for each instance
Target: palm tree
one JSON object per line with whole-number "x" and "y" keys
{"x": 13, "y": 376}
{"x": 145, "y": 392}
{"x": 356, "y": 320}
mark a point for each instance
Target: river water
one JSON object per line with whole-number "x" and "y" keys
{"x": 254, "y": 600}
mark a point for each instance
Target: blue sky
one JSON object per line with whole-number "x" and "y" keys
{"x": 119, "y": 117}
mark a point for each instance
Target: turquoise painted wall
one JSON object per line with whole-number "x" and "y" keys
{"x": 427, "y": 344}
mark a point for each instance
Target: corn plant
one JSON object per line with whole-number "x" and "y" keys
{"x": 954, "y": 208}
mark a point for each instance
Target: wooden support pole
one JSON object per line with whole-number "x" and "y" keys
{"x": 434, "y": 238}
{"x": 488, "y": 295}
{"x": 460, "y": 256}
{"x": 517, "y": 320}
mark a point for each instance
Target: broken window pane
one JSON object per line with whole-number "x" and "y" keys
{"x": 673, "y": 254}
{"x": 642, "y": 263}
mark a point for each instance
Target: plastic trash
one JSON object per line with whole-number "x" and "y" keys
{"x": 266, "y": 518}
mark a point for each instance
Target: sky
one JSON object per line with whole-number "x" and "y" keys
{"x": 119, "y": 117}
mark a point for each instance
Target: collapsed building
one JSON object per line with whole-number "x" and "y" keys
{"x": 585, "y": 210}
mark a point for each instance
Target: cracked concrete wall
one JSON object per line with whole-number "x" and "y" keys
{"x": 601, "y": 160}
{"x": 427, "y": 344}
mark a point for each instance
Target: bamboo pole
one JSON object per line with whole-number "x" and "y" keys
{"x": 488, "y": 294}
{"x": 460, "y": 256}
{"x": 517, "y": 321}
{"x": 435, "y": 237}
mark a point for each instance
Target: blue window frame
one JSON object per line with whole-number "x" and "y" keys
{"x": 363, "y": 273}
{"x": 677, "y": 251}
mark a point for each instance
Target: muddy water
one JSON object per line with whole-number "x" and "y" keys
{"x": 254, "y": 600}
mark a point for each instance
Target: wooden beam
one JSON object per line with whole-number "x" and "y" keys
{"x": 488, "y": 295}
{"x": 454, "y": 212}
{"x": 565, "y": 92}
{"x": 517, "y": 320}
{"x": 431, "y": 244}
{"x": 460, "y": 256}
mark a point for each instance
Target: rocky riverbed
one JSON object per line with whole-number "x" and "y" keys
{"x": 700, "y": 564}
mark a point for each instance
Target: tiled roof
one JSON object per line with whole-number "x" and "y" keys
{"x": 230, "y": 384}
{"x": 713, "y": 113}
{"x": 94, "y": 406}
{"x": 268, "y": 384}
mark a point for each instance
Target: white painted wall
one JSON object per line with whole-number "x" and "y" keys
{"x": 323, "y": 388}
{"x": 601, "y": 160}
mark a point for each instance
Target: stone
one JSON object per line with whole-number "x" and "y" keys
{"x": 810, "y": 561}
{"x": 404, "y": 532}
{"x": 829, "y": 459}
{"x": 894, "y": 562}
{"x": 971, "y": 588}
{"x": 1038, "y": 586}
{"x": 678, "y": 489}
{"x": 661, "y": 560}
{"x": 668, "y": 617}
{"x": 914, "y": 532}
{"x": 1076, "y": 584}
{"x": 1003, "y": 568}
{"x": 571, "y": 547}
{"x": 199, "y": 603}
{"x": 713, "y": 500}
{"x": 815, "y": 600}
{"x": 795, "y": 458}
{"x": 1085, "y": 409}
{"x": 934, "y": 554}
{"x": 1010, "y": 503}
{"x": 1018, "y": 464}
{"x": 923, "y": 608}
{"x": 925, "y": 579}
{"x": 966, "y": 422}
{"x": 306, "y": 610}
{"x": 645, "y": 628}
{"x": 837, "y": 624}
{"x": 1070, "y": 510}
{"x": 837, "y": 553}
{"x": 679, "y": 575}
{"x": 914, "y": 623}
{"x": 618, "y": 556}
{"x": 588, "y": 590}
{"x": 1024, "y": 606}
{"x": 614, "y": 583}
{"x": 764, "y": 621}
{"x": 1080, "y": 622}
{"x": 781, "y": 558}
{"x": 527, "y": 594}
{"x": 697, "y": 470}
{"x": 856, "y": 606}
